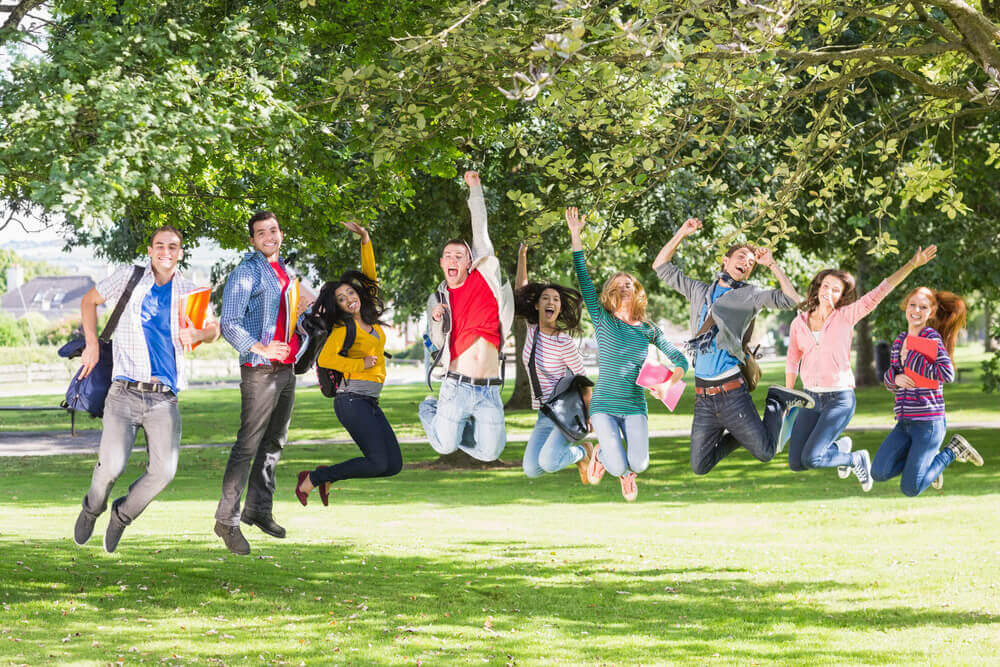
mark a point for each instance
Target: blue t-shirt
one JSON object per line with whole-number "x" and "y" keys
{"x": 715, "y": 362}
{"x": 155, "y": 316}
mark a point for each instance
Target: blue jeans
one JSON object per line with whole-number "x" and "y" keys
{"x": 125, "y": 410}
{"x": 911, "y": 449}
{"x": 467, "y": 417}
{"x": 548, "y": 450}
{"x": 365, "y": 421}
{"x": 724, "y": 422}
{"x": 610, "y": 430}
{"x": 811, "y": 444}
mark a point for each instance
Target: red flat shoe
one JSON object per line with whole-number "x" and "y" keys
{"x": 302, "y": 496}
{"x": 324, "y": 490}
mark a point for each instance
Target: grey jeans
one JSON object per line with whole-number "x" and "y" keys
{"x": 124, "y": 412}
{"x": 267, "y": 397}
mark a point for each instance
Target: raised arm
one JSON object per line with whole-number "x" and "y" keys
{"x": 481, "y": 244}
{"x": 522, "y": 267}
{"x": 690, "y": 226}
{"x": 576, "y": 222}
{"x": 873, "y": 298}
{"x": 367, "y": 252}
{"x": 765, "y": 257}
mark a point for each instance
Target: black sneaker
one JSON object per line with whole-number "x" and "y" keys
{"x": 84, "y": 527}
{"x": 116, "y": 526}
{"x": 862, "y": 468}
{"x": 265, "y": 522}
{"x": 791, "y": 398}
{"x": 964, "y": 452}
{"x": 233, "y": 538}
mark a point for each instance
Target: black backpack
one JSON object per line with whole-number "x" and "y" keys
{"x": 329, "y": 379}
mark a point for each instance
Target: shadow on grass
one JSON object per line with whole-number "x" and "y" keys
{"x": 300, "y": 602}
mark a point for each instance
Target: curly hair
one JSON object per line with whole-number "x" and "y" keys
{"x": 568, "y": 321}
{"x": 372, "y": 306}
{"x": 850, "y": 295}
{"x": 611, "y": 297}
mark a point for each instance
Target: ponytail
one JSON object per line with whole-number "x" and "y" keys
{"x": 949, "y": 314}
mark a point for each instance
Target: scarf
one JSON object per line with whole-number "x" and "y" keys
{"x": 702, "y": 341}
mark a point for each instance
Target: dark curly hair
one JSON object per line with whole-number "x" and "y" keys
{"x": 372, "y": 306}
{"x": 568, "y": 321}
{"x": 850, "y": 295}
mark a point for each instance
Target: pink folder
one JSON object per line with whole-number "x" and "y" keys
{"x": 652, "y": 374}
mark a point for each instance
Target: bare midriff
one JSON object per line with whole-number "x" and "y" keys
{"x": 479, "y": 360}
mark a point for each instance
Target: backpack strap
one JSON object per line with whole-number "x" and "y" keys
{"x": 436, "y": 357}
{"x": 116, "y": 314}
{"x": 349, "y": 336}
{"x": 536, "y": 386}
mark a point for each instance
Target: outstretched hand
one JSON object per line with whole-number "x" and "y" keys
{"x": 923, "y": 255}
{"x": 575, "y": 221}
{"x": 472, "y": 179}
{"x": 357, "y": 229}
{"x": 690, "y": 226}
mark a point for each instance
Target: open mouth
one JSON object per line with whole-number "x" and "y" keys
{"x": 550, "y": 312}
{"x": 452, "y": 272}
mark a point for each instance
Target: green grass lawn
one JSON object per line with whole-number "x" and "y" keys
{"x": 213, "y": 415}
{"x": 749, "y": 565}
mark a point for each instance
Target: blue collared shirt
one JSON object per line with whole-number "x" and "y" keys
{"x": 250, "y": 303}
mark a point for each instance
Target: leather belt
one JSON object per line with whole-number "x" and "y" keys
{"x": 156, "y": 387}
{"x": 479, "y": 382}
{"x": 719, "y": 388}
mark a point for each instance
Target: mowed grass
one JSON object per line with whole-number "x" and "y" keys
{"x": 751, "y": 564}
{"x": 212, "y": 416}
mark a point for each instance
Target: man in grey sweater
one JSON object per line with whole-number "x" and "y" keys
{"x": 722, "y": 314}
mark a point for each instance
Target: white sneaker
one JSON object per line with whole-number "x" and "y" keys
{"x": 939, "y": 482}
{"x": 964, "y": 452}
{"x": 845, "y": 445}
{"x": 862, "y": 468}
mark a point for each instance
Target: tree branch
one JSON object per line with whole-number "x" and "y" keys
{"x": 17, "y": 12}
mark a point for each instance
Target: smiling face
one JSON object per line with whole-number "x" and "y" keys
{"x": 348, "y": 300}
{"x": 739, "y": 265}
{"x": 267, "y": 237}
{"x": 919, "y": 309}
{"x": 549, "y": 306}
{"x": 830, "y": 291}
{"x": 165, "y": 251}
{"x": 455, "y": 262}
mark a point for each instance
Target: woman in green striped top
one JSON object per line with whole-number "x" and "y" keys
{"x": 618, "y": 406}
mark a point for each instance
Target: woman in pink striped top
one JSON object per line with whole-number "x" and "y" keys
{"x": 819, "y": 350}
{"x": 552, "y": 313}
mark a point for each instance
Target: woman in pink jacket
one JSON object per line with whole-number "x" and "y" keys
{"x": 819, "y": 349}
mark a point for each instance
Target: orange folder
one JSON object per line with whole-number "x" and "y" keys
{"x": 921, "y": 381}
{"x": 194, "y": 308}
{"x": 291, "y": 309}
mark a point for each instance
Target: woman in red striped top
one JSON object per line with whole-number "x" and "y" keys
{"x": 552, "y": 312}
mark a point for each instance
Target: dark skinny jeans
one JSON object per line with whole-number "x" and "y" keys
{"x": 365, "y": 421}
{"x": 725, "y": 422}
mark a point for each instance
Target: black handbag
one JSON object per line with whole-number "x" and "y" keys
{"x": 88, "y": 394}
{"x": 313, "y": 326}
{"x": 565, "y": 406}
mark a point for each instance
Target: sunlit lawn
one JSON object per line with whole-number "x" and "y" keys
{"x": 751, "y": 564}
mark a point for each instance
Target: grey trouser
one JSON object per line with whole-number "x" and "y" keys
{"x": 125, "y": 410}
{"x": 268, "y": 394}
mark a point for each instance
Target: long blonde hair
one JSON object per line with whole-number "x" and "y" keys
{"x": 611, "y": 299}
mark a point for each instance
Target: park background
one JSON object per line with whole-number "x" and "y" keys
{"x": 836, "y": 133}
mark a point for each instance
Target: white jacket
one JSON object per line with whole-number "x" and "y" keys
{"x": 484, "y": 261}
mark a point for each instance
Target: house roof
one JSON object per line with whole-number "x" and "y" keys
{"x": 52, "y": 296}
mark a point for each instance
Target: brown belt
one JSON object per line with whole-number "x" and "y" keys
{"x": 719, "y": 389}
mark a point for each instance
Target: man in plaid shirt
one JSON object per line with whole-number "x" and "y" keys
{"x": 148, "y": 343}
{"x": 255, "y": 320}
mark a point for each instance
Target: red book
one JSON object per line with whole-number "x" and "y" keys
{"x": 925, "y": 346}
{"x": 920, "y": 380}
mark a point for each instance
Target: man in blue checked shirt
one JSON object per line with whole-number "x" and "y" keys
{"x": 148, "y": 375}
{"x": 258, "y": 322}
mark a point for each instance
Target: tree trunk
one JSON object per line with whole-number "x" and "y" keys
{"x": 864, "y": 365}
{"x": 988, "y": 324}
{"x": 521, "y": 398}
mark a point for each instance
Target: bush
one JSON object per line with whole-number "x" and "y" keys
{"x": 415, "y": 351}
{"x": 60, "y": 333}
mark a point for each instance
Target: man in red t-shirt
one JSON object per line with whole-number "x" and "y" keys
{"x": 468, "y": 318}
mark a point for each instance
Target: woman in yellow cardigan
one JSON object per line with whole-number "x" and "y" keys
{"x": 356, "y": 296}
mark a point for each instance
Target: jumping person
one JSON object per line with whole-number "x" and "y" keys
{"x": 356, "y": 296}
{"x": 552, "y": 314}
{"x": 468, "y": 318}
{"x": 147, "y": 377}
{"x": 618, "y": 406}
{"x": 911, "y": 448}
{"x": 255, "y": 320}
{"x": 722, "y": 314}
{"x": 820, "y": 340}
